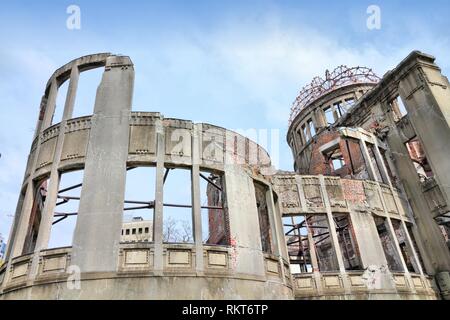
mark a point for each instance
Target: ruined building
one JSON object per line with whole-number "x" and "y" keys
{"x": 364, "y": 214}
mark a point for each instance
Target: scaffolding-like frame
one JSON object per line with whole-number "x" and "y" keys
{"x": 340, "y": 77}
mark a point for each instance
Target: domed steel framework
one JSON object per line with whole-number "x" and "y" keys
{"x": 340, "y": 77}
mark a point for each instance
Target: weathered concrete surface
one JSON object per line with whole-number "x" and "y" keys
{"x": 97, "y": 233}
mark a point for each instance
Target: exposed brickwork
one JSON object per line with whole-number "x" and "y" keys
{"x": 353, "y": 191}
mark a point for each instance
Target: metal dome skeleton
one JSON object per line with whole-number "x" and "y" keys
{"x": 340, "y": 77}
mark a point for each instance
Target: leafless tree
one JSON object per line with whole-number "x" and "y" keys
{"x": 186, "y": 231}
{"x": 170, "y": 232}
{"x": 177, "y": 231}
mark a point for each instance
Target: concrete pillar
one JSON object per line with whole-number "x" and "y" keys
{"x": 23, "y": 210}
{"x": 71, "y": 93}
{"x": 426, "y": 95}
{"x": 23, "y": 221}
{"x": 45, "y": 226}
{"x": 196, "y": 205}
{"x": 398, "y": 204}
{"x": 51, "y": 104}
{"x": 312, "y": 247}
{"x": 244, "y": 228}
{"x": 158, "y": 262}
{"x": 331, "y": 225}
{"x": 434, "y": 251}
{"x": 15, "y": 224}
{"x": 390, "y": 229}
{"x": 333, "y": 234}
{"x": 102, "y": 195}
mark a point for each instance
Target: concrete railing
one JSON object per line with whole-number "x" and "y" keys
{"x": 357, "y": 285}
{"x": 137, "y": 258}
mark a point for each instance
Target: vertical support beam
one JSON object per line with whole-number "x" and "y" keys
{"x": 196, "y": 209}
{"x": 23, "y": 221}
{"x": 272, "y": 222}
{"x": 102, "y": 195}
{"x": 391, "y": 230}
{"x": 45, "y": 226}
{"x": 15, "y": 224}
{"x": 51, "y": 105}
{"x": 366, "y": 156}
{"x": 312, "y": 247}
{"x": 301, "y": 193}
{"x": 380, "y": 161}
{"x": 158, "y": 218}
{"x": 398, "y": 204}
{"x": 435, "y": 253}
{"x": 426, "y": 93}
{"x": 331, "y": 225}
{"x": 22, "y": 215}
{"x": 71, "y": 93}
{"x": 333, "y": 233}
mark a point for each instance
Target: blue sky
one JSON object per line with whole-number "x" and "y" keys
{"x": 237, "y": 64}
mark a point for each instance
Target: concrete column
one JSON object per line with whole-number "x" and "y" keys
{"x": 100, "y": 214}
{"x": 312, "y": 247}
{"x": 434, "y": 251}
{"x": 51, "y": 104}
{"x": 331, "y": 225}
{"x": 23, "y": 210}
{"x": 273, "y": 222}
{"x": 158, "y": 262}
{"x": 196, "y": 205}
{"x": 23, "y": 221}
{"x": 247, "y": 255}
{"x": 366, "y": 156}
{"x": 46, "y": 224}
{"x": 276, "y": 224}
{"x": 426, "y": 95}
{"x": 308, "y": 132}
{"x": 334, "y": 237}
{"x": 71, "y": 93}
{"x": 411, "y": 247}
{"x": 398, "y": 204}
{"x": 381, "y": 165}
{"x": 391, "y": 230}
{"x": 15, "y": 224}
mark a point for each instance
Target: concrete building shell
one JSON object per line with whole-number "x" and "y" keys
{"x": 384, "y": 243}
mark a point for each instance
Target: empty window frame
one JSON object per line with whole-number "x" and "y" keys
{"x": 390, "y": 252}
{"x": 376, "y": 166}
{"x": 347, "y": 242}
{"x": 40, "y": 195}
{"x": 86, "y": 92}
{"x": 66, "y": 209}
{"x": 357, "y": 164}
{"x": 329, "y": 116}
{"x": 398, "y": 108}
{"x": 335, "y": 159}
{"x": 139, "y": 204}
{"x": 306, "y": 136}
{"x": 60, "y": 101}
{"x": 215, "y": 222}
{"x": 263, "y": 216}
{"x": 406, "y": 249}
{"x": 348, "y": 104}
{"x": 312, "y": 129}
{"x": 296, "y": 236}
{"x": 419, "y": 158}
{"x": 177, "y": 214}
{"x": 323, "y": 244}
{"x": 338, "y": 109}
{"x": 388, "y": 167}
